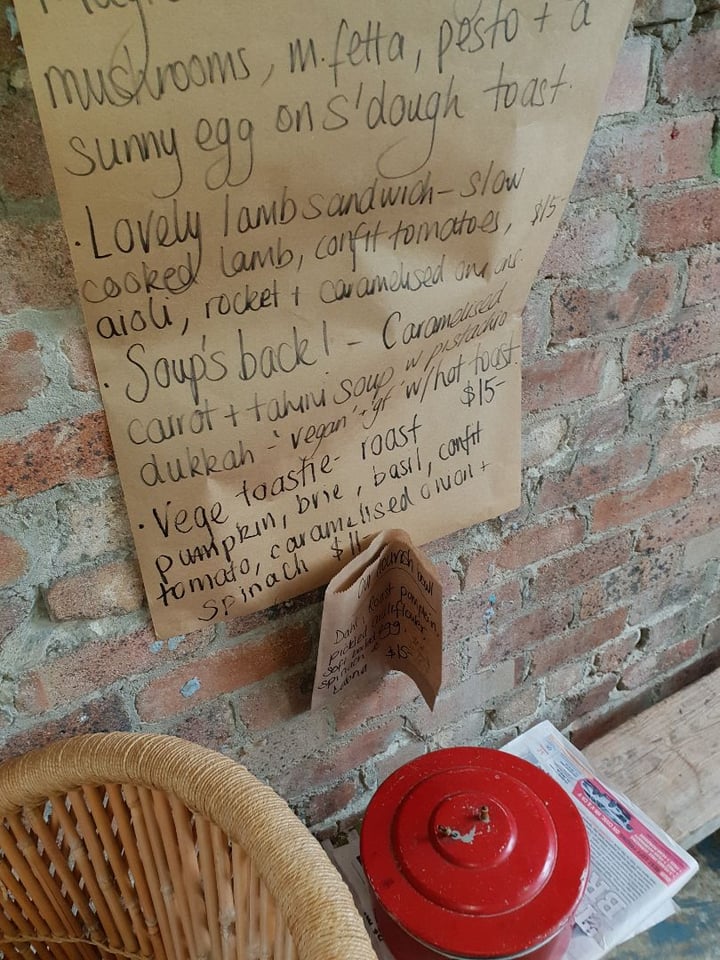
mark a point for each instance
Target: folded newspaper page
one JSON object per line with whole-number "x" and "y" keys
{"x": 635, "y": 867}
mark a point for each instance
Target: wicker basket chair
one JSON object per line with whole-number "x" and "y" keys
{"x": 132, "y": 845}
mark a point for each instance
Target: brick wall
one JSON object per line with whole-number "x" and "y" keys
{"x": 598, "y": 596}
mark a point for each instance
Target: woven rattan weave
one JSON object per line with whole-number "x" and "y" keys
{"x": 143, "y": 846}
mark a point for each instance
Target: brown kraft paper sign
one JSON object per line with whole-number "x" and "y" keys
{"x": 303, "y": 236}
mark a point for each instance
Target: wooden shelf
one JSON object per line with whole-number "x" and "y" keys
{"x": 667, "y": 760}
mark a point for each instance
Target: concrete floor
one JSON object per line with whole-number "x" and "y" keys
{"x": 694, "y": 932}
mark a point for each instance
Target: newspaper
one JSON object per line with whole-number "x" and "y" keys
{"x": 347, "y": 860}
{"x": 635, "y": 867}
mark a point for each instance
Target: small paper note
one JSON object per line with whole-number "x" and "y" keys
{"x": 382, "y": 612}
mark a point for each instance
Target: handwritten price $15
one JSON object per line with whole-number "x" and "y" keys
{"x": 546, "y": 208}
{"x": 481, "y": 392}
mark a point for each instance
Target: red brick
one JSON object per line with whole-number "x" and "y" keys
{"x": 275, "y": 701}
{"x": 647, "y": 670}
{"x": 13, "y": 614}
{"x": 627, "y": 91}
{"x": 562, "y": 379}
{"x": 693, "y": 518}
{"x": 82, "y": 368}
{"x": 473, "y": 728}
{"x": 21, "y": 371}
{"x": 391, "y": 762}
{"x": 56, "y": 453}
{"x": 520, "y": 634}
{"x": 692, "y": 670}
{"x": 475, "y": 693}
{"x": 624, "y": 506}
{"x": 600, "y": 422}
{"x": 114, "y": 588}
{"x": 13, "y": 560}
{"x": 573, "y": 644}
{"x": 689, "y": 438}
{"x": 694, "y": 336}
{"x": 465, "y": 617}
{"x": 448, "y": 578}
{"x": 611, "y": 589}
{"x": 629, "y": 582}
{"x": 102, "y": 715}
{"x": 260, "y": 619}
{"x": 581, "y": 566}
{"x": 37, "y": 271}
{"x": 223, "y": 672}
{"x": 272, "y": 753}
{"x": 703, "y": 277}
{"x": 692, "y": 69}
{"x": 212, "y": 725}
{"x": 662, "y": 11}
{"x": 329, "y": 804}
{"x": 24, "y": 165}
{"x": 675, "y": 222}
{"x": 647, "y": 293}
{"x": 561, "y": 680}
{"x": 679, "y": 653}
{"x": 532, "y": 543}
{"x": 518, "y": 708}
{"x": 664, "y": 631}
{"x": 615, "y": 652}
{"x": 336, "y": 762}
{"x": 581, "y": 704}
{"x": 662, "y": 593}
{"x": 584, "y": 242}
{"x": 98, "y": 664}
{"x": 384, "y": 697}
{"x": 594, "y": 472}
{"x": 626, "y": 158}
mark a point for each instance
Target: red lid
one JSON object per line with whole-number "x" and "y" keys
{"x": 474, "y": 852}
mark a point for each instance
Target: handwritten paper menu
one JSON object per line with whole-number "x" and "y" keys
{"x": 303, "y": 235}
{"x": 382, "y": 612}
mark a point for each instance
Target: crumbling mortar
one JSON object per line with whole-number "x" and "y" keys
{"x": 706, "y": 20}
{"x": 527, "y": 667}
{"x": 464, "y": 656}
{"x": 459, "y": 567}
{"x": 412, "y": 730}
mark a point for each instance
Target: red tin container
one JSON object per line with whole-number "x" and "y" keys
{"x": 474, "y": 853}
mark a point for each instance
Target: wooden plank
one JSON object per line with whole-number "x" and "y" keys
{"x": 667, "y": 760}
